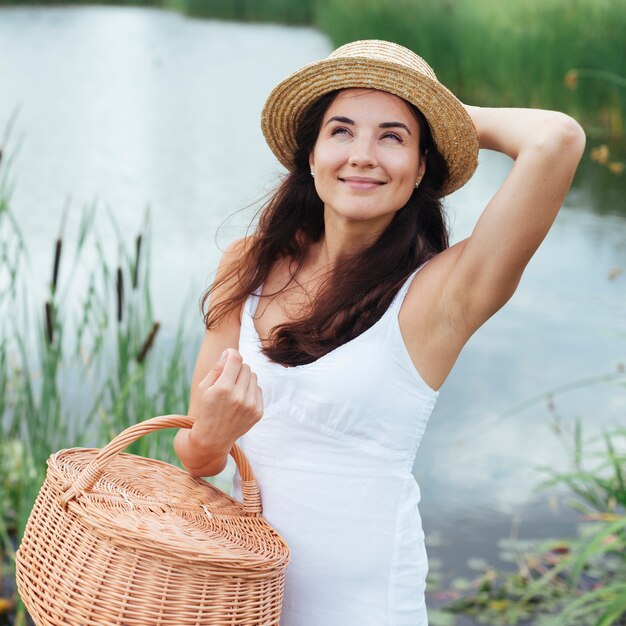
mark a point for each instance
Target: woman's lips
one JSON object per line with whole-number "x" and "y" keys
{"x": 361, "y": 183}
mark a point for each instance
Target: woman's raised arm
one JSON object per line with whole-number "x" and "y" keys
{"x": 486, "y": 268}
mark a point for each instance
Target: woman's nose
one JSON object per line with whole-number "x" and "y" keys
{"x": 363, "y": 153}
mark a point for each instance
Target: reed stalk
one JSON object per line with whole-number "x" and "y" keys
{"x": 565, "y": 581}
{"x": 110, "y": 350}
{"x": 493, "y": 53}
{"x": 488, "y": 52}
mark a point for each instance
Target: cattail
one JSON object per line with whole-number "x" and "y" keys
{"x": 138, "y": 242}
{"x": 147, "y": 344}
{"x": 119, "y": 284}
{"x": 120, "y": 293}
{"x": 57, "y": 259}
{"x": 49, "y": 322}
{"x": 137, "y": 253}
{"x": 58, "y": 248}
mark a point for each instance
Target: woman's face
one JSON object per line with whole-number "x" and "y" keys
{"x": 366, "y": 158}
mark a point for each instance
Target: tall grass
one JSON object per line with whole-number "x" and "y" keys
{"x": 493, "y": 53}
{"x": 103, "y": 341}
{"x": 563, "y": 582}
{"x": 568, "y": 55}
{"x": 285, "y": 11}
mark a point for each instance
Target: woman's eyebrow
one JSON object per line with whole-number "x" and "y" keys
{"x": 395, "y": 125}
{"x": 340, "y": 118}
{"x": 347, "y": 120}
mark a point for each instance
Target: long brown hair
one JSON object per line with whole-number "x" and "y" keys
{"x": 351, "y": 300}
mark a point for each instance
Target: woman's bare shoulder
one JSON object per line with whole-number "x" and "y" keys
{"x": 236, "y": 248}
{"x": 226, "y": 282}
{"x": 233, "y": 256}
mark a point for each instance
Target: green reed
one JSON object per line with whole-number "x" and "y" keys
{"x": 284, "y": 11}
{"x": 560, "y": 582}
{"x": 567, "y": 55}
{"x": 493, "y": 53}
{"x": 102, "y": 340}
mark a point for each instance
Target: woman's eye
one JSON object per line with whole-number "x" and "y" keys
{"x": 339, "y": 130}
{"x": 393, "y": 136}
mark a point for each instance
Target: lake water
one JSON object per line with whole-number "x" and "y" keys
{"x": 137, "y": 107}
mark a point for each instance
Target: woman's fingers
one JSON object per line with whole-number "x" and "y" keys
{"x": 212, "y": 376}
{"x": 232, "y": 382}
{"x": 243, "y": 381}
{"x": 232, "y": 367}
{"x": 232, "y": 404}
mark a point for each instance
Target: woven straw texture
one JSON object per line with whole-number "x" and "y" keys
{"x": 379, "y": 65}
{"x": 117, "y": 539}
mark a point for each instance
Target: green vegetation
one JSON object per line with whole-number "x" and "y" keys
{"x": 284, "y": 11}
{"x": 567, "y": 55}
{"x": 493, "y": 53}
{"x": 100, "y": 346}
{"x": 560, "y": 582}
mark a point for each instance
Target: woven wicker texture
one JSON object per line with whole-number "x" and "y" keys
{"x": 117, "y": 539}
{"x": 377, "y": 65}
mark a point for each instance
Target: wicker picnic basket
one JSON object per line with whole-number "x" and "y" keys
{"x": 117, "y": 539}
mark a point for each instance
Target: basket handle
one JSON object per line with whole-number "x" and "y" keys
{"x": 88, "y": 477}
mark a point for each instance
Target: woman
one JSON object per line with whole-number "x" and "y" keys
{"x": 348, "y": 308}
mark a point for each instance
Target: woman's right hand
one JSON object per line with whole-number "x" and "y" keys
{"x": 230, "y": 403}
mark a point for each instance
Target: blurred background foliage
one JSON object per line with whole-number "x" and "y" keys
{"x": 567, "y": 55}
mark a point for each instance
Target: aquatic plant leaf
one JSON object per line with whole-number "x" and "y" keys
{"x": 477, "y": 564}
{"x": 596, "y": 546}
{"x": 461, "y": 584}
{"x": 614, "y": 611}
{"x": 85, "y": 226}
{"x": 615, "y": 462}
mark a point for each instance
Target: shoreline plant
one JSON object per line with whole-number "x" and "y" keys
{"x": 488, "y": 52}
{"x": 561, "y": 582}
{"x": 109, "y": 352}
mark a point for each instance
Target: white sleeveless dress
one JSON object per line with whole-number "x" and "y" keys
{"x": 333, "y": 455}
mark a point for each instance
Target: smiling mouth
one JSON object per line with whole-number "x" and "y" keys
{"x": 357, "y": 182}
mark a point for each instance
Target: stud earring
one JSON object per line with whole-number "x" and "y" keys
{"x": 417, "y": 184}
{"x": 312, "y": 174}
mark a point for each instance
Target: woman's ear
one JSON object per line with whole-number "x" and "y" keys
{"x": 311, "y": 162}
{"x": 422, "y": 167}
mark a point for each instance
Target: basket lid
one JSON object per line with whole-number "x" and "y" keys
{"x": 153, "y": 506}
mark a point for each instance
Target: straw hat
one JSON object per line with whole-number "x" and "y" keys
{"x": 378, "y": 65}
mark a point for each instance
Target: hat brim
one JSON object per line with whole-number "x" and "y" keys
{"x": 452, "y": 128}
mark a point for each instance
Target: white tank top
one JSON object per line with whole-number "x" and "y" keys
{"x": 333, "y": 455}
